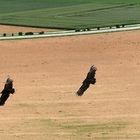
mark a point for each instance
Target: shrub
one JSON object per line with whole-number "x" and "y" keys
{"x": 42, "y": 32}
{"x": 84, "y": 29}
{"x": 117, "y": 26}
{"x": 29, "y": 33}
{"x": 20, "y": 33}
{"x": 77, "y": 30}
{"x": 4, "y": 34}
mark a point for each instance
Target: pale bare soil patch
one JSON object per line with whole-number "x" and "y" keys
{"x": 48, "y": 72}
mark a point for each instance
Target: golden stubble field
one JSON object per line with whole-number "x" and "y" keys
{"x": 47, "y": 73}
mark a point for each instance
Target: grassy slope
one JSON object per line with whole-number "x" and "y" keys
{"x": 69, "y": 14}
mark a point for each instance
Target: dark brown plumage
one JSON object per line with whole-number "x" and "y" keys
{"x": 8, "y": 89}
{"x": 90, "y": 79}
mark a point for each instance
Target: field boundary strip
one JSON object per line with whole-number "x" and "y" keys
{"x": 72, "y": 32}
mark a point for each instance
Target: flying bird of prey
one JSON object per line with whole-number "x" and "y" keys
{"x": 7, "y": 90}
{"x": 90, "y": 79}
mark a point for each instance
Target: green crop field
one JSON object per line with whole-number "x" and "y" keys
{"x": 69, "y": 14}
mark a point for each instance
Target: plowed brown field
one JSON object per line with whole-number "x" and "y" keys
{"x": 47, "y": 73}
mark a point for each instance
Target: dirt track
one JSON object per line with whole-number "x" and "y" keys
{"x": 47, "y": 73}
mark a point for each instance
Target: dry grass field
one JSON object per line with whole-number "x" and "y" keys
{"x": 47, "y": 73}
